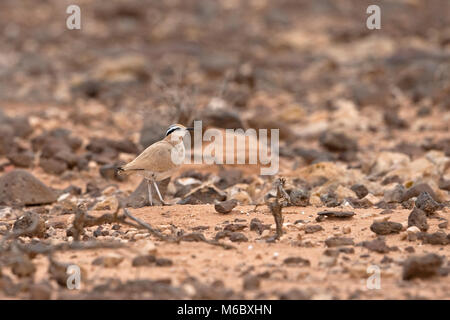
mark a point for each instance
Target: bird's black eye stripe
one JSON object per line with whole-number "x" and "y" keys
{"x": 172, "y": 129}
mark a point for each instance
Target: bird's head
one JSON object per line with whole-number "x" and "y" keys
{"x": 177, "y": 132}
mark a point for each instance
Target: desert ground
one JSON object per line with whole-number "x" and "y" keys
{"x": 364, "y": 150}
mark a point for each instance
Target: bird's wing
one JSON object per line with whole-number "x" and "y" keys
{"x": 156, "y": 158}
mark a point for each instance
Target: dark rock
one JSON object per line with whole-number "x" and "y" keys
{"x": 234, "y": 227}
{"x": 359, "y": 203}
{"x": 26, "y": 221}
{"x": 330, "y": 200}
{"x": 73, "y": 190}
{"x": 23, "y": 267}
{"x": 21, "y": 188}
{"x": 386, "y": 227}
{"x": 226, "y": 206}
{"x": 7, "y": 144}
{"x": 337, "y": 142}
{"x": 386, "y": 260}
{"x": 337, "y": 214}
{"x": 339, "y": 242}
{"x": 443, "y": 225}
{"x": 395, "y": 195}
{"x": 204, "y": 194}
{"x": 408, "y": 204}
{"x": 238, "y": 237}
{"x": 163, "y": 262}
{"x": 298, "y": 261}
{"x": 392, "y": 120}
{"x": 227, "y": 119}
{"x": 360, "y": 190}
{"x": 251, "y": 282}
{"x": 258, "y": 226}
{"x": 139, "y": 197}
{"x": 416, "y": 190}
{"x": 152, "y": 131}
{"x": 299, "y": 197}
{"x": 426, "y": 203}
{"x": 377, "y": 245}
{"x": 102, "y": 145}
{"x": 21, "y": 159}
{"x": 392, "y": 179}
{"x": 437, "y": 238}
{"x": 410, "y": 249}
{"x": 40, "y": 291}
{"x": 422, "y": 267}
{"x": 385, "y": 205}
{"x": 443, "y": 184}
{"x": 294, "y": 294}
{"x": 228, "y": 178}
{"x": 418, "y": 218}
{"x": 313, "y": 228}
{"x": 314, "y": 156}
{"x": 222, "y": 235}
{"x": 53, "y": 166}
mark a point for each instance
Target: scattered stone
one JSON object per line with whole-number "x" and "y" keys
{"x": 377, "y": 245}
{"x": 418, "y": 218}
{"x": 330, "y": 199}
{"x": 360, "y": 190}
{"x": 40, "y": 291}
{"x": 299, "y": 197}
{"x": 426, "y": 203}
{"x": 395, "y": 194}
{"x": 297, "y": 261}
{"x": 313, "y": 228}
{"x": 437, "y": 238}
{"x": 339, "y": 242}
{"x": 53, "y": 166}
{"x": 258, "y": 226}
{"x": 337, "y": 141}
{"x": 444, "y": 184}
{"x": 238, "y": 237}
{"x": 410, "y": 249}
{"x": 143, "y": 261}
{"x": 416, "y": 190}
{"x": 337, "y": 214}
{"x": 164, "y": 262}
{"x": 346, "y": 230}
{"x": 228, "y": 178}
{"x": 443, "y": 225}
{"x": 234, "y": 227}
{"x": 21, "y": 159}
{"x": 225, "y": 206}
{"x": 23, "y": 267}
{"x": 294, "y": 294}
{"x": 422, "y": 267}
{"x": 204, "y": 194}
{"x": 251, "y": 282}
{"x": 108, "y": 261}
{"x": 386, "y": 227}
{"x": 13, "y": 184}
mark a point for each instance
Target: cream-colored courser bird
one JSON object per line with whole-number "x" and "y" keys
{"x": 159, "y": 161}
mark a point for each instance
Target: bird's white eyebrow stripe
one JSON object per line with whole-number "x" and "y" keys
{"x": 172, "y": 129}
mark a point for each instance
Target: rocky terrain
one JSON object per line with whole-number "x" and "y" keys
{"x": 364, "y": 119}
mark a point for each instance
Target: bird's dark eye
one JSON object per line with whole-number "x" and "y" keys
{"x": 172, "y": 129}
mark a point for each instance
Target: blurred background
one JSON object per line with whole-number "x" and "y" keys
{"x": 305, "y": 67}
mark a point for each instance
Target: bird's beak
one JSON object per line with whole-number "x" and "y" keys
{"x": 190, "y": 129}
